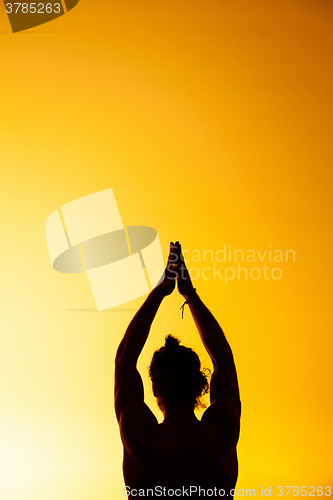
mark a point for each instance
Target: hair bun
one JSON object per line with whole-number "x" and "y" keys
{"x": 171, "y": 343}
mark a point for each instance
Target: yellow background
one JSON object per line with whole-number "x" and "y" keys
{"x": 212, "y": 123}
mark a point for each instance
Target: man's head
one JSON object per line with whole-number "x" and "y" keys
{"x": 176, "y": 375}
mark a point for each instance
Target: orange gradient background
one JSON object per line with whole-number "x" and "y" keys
{"x": 211, "y": 121}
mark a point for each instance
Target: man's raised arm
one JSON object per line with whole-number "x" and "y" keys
{"x": 224, "y": 381}
{"x": 128, "y": 382}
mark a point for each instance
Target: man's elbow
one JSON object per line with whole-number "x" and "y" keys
{"x": 119, "y": 352}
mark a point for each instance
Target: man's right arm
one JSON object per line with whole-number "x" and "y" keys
{"x": 224, "y": 381}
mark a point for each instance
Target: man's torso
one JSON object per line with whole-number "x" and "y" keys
{"x": 178, "y": 456}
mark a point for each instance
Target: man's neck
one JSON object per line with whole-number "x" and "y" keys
{"x": 179, "y": 412}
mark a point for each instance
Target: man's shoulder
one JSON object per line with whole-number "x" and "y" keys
{"x": 137, "y": 425}
{"x": 136, "y": 422}
{"x": 223, "y": 414}
{"x": 135, "y": 411}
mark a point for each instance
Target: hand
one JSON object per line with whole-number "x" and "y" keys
{"x": 184, "y": 282}
{"x": 168, "y": 281}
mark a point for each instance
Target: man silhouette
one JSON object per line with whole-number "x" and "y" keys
{"x": 182, "y": 456}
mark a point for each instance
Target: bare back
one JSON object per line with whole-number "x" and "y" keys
{"x": 177, "y": 455}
